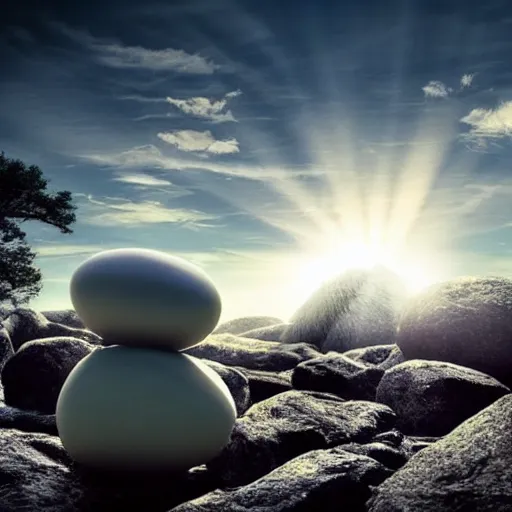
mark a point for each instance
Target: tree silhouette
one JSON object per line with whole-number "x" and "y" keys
{"x": 23, "y": 197}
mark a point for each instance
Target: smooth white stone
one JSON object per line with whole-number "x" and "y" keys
{"x": 125, "y": 408}
{"x": 141, "y": 297}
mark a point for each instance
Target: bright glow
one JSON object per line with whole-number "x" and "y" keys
{"x": 316, "y": 270}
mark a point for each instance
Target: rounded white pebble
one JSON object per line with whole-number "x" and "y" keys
{"x": 124, "y": 408}
{"x": 142, "y": 297}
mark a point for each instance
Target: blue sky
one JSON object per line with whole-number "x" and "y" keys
{"x": 272, "y": 143}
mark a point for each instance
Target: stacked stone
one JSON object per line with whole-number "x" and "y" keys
{"x": 137, "y": 402}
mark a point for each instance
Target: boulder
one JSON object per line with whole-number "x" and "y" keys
{"x": 469, "y": 469}
{"x": 33, "y": 377}
{"x": 287, "y": 425}
{"x": 267, "y": 333}
{"x": 431, "y": 398}
{"x": 251, "y": 353}
{"x": 335, "y": 373}
{"x": 66, "y": 317}
{"x": 246, "y": 323}
{"x": 25, "y": 324}
{"x": 465, "y": 321}
{"x": 354, "y": 310}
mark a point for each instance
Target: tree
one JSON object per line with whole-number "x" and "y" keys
{"x": 23, "y": 197}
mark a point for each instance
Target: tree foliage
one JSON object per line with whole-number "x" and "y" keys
{"x": 23, "y": 197}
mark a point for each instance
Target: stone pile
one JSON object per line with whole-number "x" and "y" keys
{"x": 411, "y": 423}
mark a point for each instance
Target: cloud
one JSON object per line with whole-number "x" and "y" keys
{"x": 491, "y": 123}
{"x": 191, "y": 140}
{"x": 114, "y": 54}
{"x": 234, "y": 94}
{"x": 146, "y": 181}
{"x": 145, "y": 212}
{"x": 143, "y": 99}
{"x": 466, "y": 80}
{"x": 142, "y": 179}
{"x": 205, "y": 108}
{"x": 436, "y": 89}
{"x": 58, "y": 250}
{"x": 151, "y": 156}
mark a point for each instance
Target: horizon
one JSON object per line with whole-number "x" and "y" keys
{"x": 274, "y": 146}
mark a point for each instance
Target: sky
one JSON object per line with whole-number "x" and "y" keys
{"x": 274, "y": 144}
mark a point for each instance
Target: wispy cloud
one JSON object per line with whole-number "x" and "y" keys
{"x": 490, "y": 123}
{"x": 436, "y": 89}
{"x": 466, "y": 80}
{"x": 191, "y": 140}
{"x": 149, "y": 182}
{"x": 142, "y": 179}
{"x": 59, "y": 250}
{"x": 151, "y": 156}
{"x": 131, "y": 213}
{"x": 143, "y": 99}
{"x": 206, "y": 108}
{"x": 115, "y": 54}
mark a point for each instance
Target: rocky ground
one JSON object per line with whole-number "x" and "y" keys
{"x": 322, "y": 426}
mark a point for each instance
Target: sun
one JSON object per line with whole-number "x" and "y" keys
{"x": 316, "y": 269}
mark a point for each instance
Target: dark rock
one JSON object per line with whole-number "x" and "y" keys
{"x": 466, "y": 321}
{"x": 246, "y": 323}
{"x": 25, "y": 324}
{"x": 67, "y": 317}
{"x": 6, "y": 350}
{"x": 356, "y": 309}
{"x": 251, "y": 353}
{"x": 237, "y": 383}
{"x": 327, "y": 480}
{"x": 337, "y": 374}
{"x": 268, "y": 333}
{"x": 417, "y": 444}
{"x": 27, "y": 421}
{"x": 264, "y": 384}
{"x": 467, "y": 470}
{"x": 30, "y": 479}
{"x": 33, "y": 377}
{"x": 431, "y": 398}
{"x": 276, "y": 430}
{"x": 388, "y": 456}
{"x": 383, "y": 356}
{"x": 37, "y": 474}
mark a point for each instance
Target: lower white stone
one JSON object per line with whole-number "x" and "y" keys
{"x": 143, "y": 409}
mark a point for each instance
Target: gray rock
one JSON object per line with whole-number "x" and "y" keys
{"x": 467, "y": 470}
{"x": 27, "y": 421}
{"x": 6, "y": 350}
{"x": 251, "y": 353}
{"x": 356, "y": 309}
{"x": 25, "y": 324}
{"x": 389, "y": 456}
{"x": 337, "y": 374}
{"x": 383, "y": 356}
{"x": 431, "y": 398}
{"x": 37, "y": 474}
{"x": 237, "y": 383}
{"x": 326, "y": 480}
{"x": 246, "y": 323}
{"x": 67, "y": 317}
{"x": 263, "y": 384}
{"x": 267, "y": 333}
{"x": 466, "y": 321}
{"x": 287, "y": 425}
{"x": 33, "y": 377}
